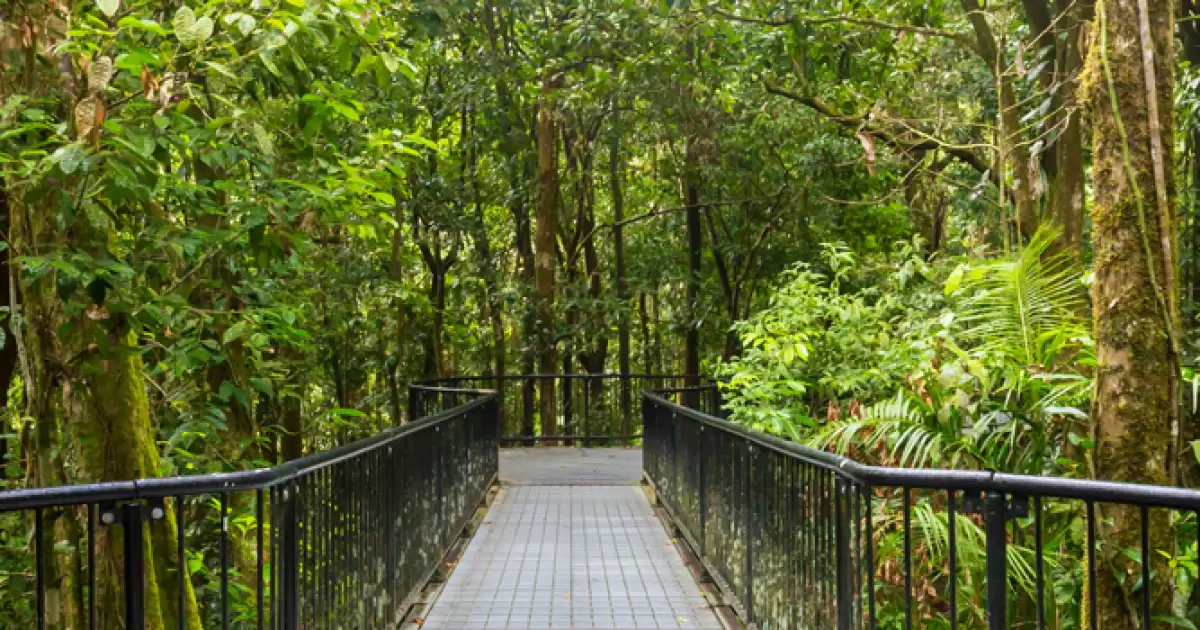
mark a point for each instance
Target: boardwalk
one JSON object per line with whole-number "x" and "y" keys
{"x": 570, "y": 542}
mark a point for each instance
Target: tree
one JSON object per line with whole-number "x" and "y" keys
{"x": 1135, "y": 293}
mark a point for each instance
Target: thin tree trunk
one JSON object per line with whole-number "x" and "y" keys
{"x": 545, "y": 251}
{"x": 615, "y": 182}
{"x": 691, "y": 186}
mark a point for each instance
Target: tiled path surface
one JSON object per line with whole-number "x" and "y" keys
{"x": 560, "y": 556}
{"x": 571, "y": 466}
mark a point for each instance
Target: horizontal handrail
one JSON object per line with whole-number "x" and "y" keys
{"x": 573, "y": 375}
{"x": 951, "y": 479}
{"x": 262, "y": 478}
{"x": 579, "y": 408}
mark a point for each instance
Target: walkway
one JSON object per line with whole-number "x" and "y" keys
{"x": 570, "y": 542}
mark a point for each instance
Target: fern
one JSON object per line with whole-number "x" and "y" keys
{"x": 1027, "y": 309}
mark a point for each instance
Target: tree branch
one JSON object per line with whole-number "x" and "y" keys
{"x": 961, "y": 38}
{"x": 859, "y": 124}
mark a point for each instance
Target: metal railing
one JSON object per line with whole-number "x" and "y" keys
{"x": 802, "y": 538}
{"x": 344, "y": 538}
{"x": 590, "y": 409}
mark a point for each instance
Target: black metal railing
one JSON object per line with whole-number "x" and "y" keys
{"x": 590, "y": 409}
{"x": 801, "y": 538}
{"x": 341, "y": 539}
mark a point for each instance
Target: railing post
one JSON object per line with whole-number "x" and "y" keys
{"x": 996, "y": 524}
{"x": 748, "y": 479}
{"x": 132, "y": 517}
{"x": 703, "y": 490}
{"x": 626, "y": 406}
{"x": 845, "y": 583}
{"x": 135, "y": 566}
{"x": 290, "y": 560}
{"x": 587, "y": 385}
{"x": 413, "y": 395}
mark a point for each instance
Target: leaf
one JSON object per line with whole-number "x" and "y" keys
{"x": 955, "y": 280}
{"x": 142, "y": 25}
{"x": 136, "y": 59}
{"x": 189, "y": 30}
{"x": 245, "y": 23}
{"x": 263, "y": 139}
{"x": 203, "y": 29}
{"x": 183, "y": 21}
{"x": 345, "y": 110}
{"x": 236, "y": 331}
{"x": 69, "y": 158}
{"x": 100, "y": 72}
{"x": 85, "y": 117}
{"x": 390, "y": 61}
{"x": 109, "y": 7}
{"x": 384, "y": 198}
{"x": 1176, "y": 621}
{"x": 222, "y": 69}
{"x": 869, "y": 146}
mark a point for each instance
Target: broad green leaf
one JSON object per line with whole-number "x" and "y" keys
{"x": 149, "y": 26}
{"x": 955, "y": 280}
{"x": 109, "y": 7}
{"x": 345, "y": 110}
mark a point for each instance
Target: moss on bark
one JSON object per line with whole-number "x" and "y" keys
{"x": 112, "y": 423}
{"x": 1136, "y": 364}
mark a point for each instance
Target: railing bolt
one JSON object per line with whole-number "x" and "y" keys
{"x": 108, "y": 518}
{"x": 157, "y": 513}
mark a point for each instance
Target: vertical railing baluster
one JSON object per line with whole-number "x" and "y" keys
{"x": 135, "y": 566}
{"x": 996, "y": 531}
{"x": 39, "y": 569}
{"x": 1091, "y": 565}
{"x": 91, "y": 575}
{"x": 587, "y": 385}
{"x": 747, "y": 485}
{"x": 260, "y": 518}
{"x": 289, "y": 559}
{"x": 1145, "y": 567}
{"x": 952, "y": 526}
{"x": 1039, "y": 573}
{"x": 841, "y": 510}
{"x": 908, "y": 570}
{"x": 224, "y": 561}
{"x": 870, "y": 493}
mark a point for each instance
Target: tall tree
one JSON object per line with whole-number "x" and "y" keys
{"x": 545, "y": 246}
{"x": 1135, "y": 293}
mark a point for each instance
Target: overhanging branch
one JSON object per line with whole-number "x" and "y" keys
{"x": 858, "y": 124}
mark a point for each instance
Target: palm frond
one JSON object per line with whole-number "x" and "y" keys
{"x": 1026, "y": 307}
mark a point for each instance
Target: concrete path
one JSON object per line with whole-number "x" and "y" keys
{"x": 550, "y": 554}
{"x": 571, "y": 466}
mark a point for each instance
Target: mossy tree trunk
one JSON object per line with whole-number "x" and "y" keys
{"x": 1135, "y": 296}
{"x": 108, "y": 403}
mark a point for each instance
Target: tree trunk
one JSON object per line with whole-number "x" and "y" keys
{"x": 545, "y": 247}
{"x": 616, "y": 191}
{"x": 1012, "y": 152}
{"x": 111, "y": 414}
{"x": 1066, "y": 188}
{"x": 691, "y": 192}
{"x": 1136, "y": 299}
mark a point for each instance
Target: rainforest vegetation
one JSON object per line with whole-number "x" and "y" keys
{"x": 930, "y": 233}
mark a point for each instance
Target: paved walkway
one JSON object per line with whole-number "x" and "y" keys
{"x": 553, "y": 554}
{"x": 571, "y": 466}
